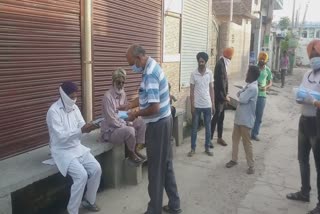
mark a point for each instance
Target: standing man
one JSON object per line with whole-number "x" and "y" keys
{"x": 264, "y": 83}
{"x": 307, "y": 135}
{"x": 154, "y": 103}
{"x": 202, "y": 101}
{"x": 284, "y": 62}
{"x": 66, "y": 126}
{"x": 244, "y": 119}
{"x": 221, "y": 93}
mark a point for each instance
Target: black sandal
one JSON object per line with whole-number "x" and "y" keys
{"x": 167, "y": 209}
{"x": 298, "y": 196}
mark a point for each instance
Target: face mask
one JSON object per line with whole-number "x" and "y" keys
{"x": 315, "y": 63}
{"x": 67, "y": 101}
{"x": 137, "y": 69}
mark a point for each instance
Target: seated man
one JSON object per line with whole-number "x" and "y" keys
{"x": 66, "y": 126}
{"x": 116, "y": 129}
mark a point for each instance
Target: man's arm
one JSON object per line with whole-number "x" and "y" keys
{"x": 57, "y": 130}
{"x": 211, "y": 88}
{"x": 218, "y": 81}
{"x": 192, "y": 97}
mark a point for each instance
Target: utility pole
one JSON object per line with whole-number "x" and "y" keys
{"x": 293, "y": 15}
{"x": 231, "y": 10}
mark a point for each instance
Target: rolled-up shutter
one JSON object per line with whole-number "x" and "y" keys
{"x": 195, "y": 17}
{"x": 116, "y": 25}
{"x": 39, "y": 48}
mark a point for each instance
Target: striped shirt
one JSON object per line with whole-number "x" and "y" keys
{"x": 154, "y": 89}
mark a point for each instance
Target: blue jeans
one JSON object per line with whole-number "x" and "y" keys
{"x": 261, "y": 103}
{"x": 207, "y": 113}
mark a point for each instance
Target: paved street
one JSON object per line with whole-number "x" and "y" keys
{"x": 207, "y": 187}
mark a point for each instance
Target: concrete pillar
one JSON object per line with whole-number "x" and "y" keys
{"x": 224, "y": 37}
{"x": 5, "y": 204}
{"x": 113, "y": 166}
{"x": 87, "y": 60}
{"x": 132, "y": 172}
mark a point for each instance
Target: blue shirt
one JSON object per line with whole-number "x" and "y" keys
{"x": 154, "y": 89}
{"x": 245, "y": 113}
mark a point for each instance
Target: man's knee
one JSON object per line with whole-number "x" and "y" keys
{"x": 97, "y": 169}
{"x": 81, "y": 176}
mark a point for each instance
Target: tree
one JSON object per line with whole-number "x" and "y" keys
{"x": 284, "y": 23}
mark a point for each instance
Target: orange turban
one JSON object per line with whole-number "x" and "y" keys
{"x": 313, "y": 45}
{"x": 228, "y": 53}
{"x": 263, "y": 56}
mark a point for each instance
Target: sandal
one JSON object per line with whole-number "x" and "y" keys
{"x": 298, "y": 196}
{"x": 167, "y": 209}
{"x": 143, "y": 157}
{"x": 135, "y": 160}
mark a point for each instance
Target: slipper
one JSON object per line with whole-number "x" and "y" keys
{"x": 136, "y": 160}
{"x": 167, "y": 209}
{"x": 298, "y": 196}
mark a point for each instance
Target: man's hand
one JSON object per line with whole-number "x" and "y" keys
{"x": 87, "y": 128}
{"x": 227, "y": 99}
{"x": 263, "y": 88}
{"x": 124, "y": 107}
{"x": 192, "y": 109}
{"x": 213, "y": 109}
{"x": 131, "y": 116}
{"x": 309, "y": 99}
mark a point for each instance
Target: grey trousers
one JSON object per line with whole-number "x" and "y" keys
{"x": 160, "y": 167}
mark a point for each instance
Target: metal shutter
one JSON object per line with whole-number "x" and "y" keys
{"x": 116, "y": 25}
{"x": 39, "y": 48}
{"x": 195, "y": 17}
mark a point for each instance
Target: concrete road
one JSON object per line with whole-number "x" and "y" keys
{"x": 207, "y": 187}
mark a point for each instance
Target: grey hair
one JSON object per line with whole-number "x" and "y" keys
{"x": 137, "y": 50}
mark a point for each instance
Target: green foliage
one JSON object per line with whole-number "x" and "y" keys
{"x": 284, "y": 23}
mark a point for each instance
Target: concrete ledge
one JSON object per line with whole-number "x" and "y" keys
{"x": 5, "y": 204}
{"x": 22, "y": 170}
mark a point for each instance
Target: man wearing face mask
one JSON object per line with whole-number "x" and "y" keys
{"x": 221, "y": 93}
{"x": 308, "y": 138}
{"x": 264, "y": 83}
{"x": 66, "y": 126}
{"x": 115, "y": 129}
{"x": 154, "y": 108}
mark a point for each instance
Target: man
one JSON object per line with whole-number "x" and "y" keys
{"x": 284, "y": 62}
{"x": 244, "y": 119}
{"x": 154, "y": 103}
{"x": 221, "y": 93}
{"x": 116, "y": 129}
{"x": 307, "y": 135}
{"x": 66, "y": 126}
{"x": 202, "y": 101}
{"x": 264, "y": 83}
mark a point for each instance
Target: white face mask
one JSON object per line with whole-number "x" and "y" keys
{"x": 67, "y": 101}
{"x": 315, "y": 63}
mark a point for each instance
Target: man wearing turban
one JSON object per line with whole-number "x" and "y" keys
{"x": 115, "y": 128}
{"x": 66, "y": 126}
{"x": 264, "y": 83}
{"x": 308, "y": 134}
{"x": 221, "y": 93}
{"x": 202, "y": 101}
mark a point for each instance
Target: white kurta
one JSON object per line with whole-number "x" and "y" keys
{"x": 65, "y": 135}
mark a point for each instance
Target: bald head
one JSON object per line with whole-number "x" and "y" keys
{"x": 135, "y": 53}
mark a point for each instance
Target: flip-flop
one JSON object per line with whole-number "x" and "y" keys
{"x": 136, "y": 160}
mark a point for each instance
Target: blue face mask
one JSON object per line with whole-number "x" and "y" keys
{"x": 137, "y": 69}
{"x": 315, "y": 63}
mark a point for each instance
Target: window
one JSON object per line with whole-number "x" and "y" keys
{"x": 318, "y": 34}
{"x": 305, "y": 34}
